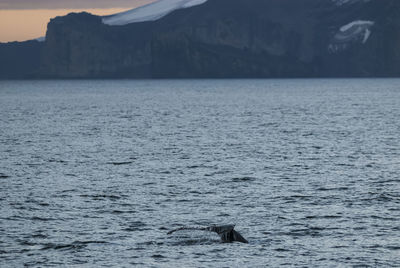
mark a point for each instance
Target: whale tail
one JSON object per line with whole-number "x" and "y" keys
{"x": 225, "y": 232}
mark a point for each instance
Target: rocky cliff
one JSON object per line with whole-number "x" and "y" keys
{"x": 20, "y": 60}
{"x": 231, "y": 38}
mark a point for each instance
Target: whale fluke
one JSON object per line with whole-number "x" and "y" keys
{"x": 226, "y": 232}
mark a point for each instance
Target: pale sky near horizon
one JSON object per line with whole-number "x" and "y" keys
{"x": 22, "y": 20}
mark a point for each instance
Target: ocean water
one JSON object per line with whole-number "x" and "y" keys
{"x": 95, "y": 173}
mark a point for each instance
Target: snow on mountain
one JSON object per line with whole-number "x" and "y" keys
{"x": 343, "y": 2}
{"x": 150, "y": 12}
{"x": 356, "y": 25}
{"x": 358, "y": 30}
{"x": 161, "y": 8}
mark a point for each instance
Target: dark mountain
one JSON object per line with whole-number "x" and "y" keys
{"x": 20, "y": 59}
{"x": 221, "y": 38}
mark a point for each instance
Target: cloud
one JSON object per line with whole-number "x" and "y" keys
{"x": 70, "y": 4}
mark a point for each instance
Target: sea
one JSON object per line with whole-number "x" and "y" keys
{"x": 94, "y": 173}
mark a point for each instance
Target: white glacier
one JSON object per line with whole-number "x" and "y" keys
{"x": 150, "y": 12}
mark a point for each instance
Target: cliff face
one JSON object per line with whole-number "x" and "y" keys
{"x": 238, "y": 39}
{"x": 79, "y": 46}
{"x": 220, "y": 38}
{"x": 19, "y": 60}
{"x": 232, "y": 38}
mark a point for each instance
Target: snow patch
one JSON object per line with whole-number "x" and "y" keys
{"x": 359, "y": 29}
{"x": 357, "y": 24}
{"x": 366, "y": 35}
{"x": 356, "y": 31}
{"x": 41, "y": 39}
{"x": 150, "y": 12}
{"x": 345, "y": 2}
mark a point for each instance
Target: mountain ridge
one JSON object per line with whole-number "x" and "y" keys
{"x": 230, "y": 39}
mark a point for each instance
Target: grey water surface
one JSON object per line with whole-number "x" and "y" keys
{"x": 95, "y": 173}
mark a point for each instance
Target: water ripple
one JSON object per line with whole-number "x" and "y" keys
{"x": 95, "y": 173}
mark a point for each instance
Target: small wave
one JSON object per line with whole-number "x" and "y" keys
{"x": 212, "y": 174}
{"x": 36, "y": 218}
{"x": 381, "y": 197}
{"x": 393, "y": 247}
{"x": 317, "y": 147}
{"x": 243, "y": 179}
{"x": 340, "y": 246}
{"x": 148, "y": 183}
{"x": 282, "y": 249}
{"x": 298, "y": 196}
{"x": 68, "y": 191}
{"x": 158, "y": 256}
{"x": 323, "y": 189}
{"x": 33, "y": 164}
{"x": 389, "y": 247}
{"x": 135, "y": 226}
{"x": 57, "y": 161}
{"x": 295, "y": 198}
{"x": 375, "y": 246}
{"x": 344, "y": 165}
{"x": 134, "y": 229}
{"x": 200, "y": 166}
{"x": 3, "y": 176}
{"x": 144, "y": 245}
{"x": 39, "y": 235}
{"x": 27, "y": 243}
{"x": 73, "y": 245}
{"x": 304, "y": 232}
{"x": 123, "y": 211}
{"x": 193, "y": 167}
{"x": 195, "y": 242}
{"x": 195, "y": 192}
{"x": 184, "y": 200}
{"x": 70, "y": 175}
{"x": 120, "y": 163}
{"x": 101, "y": 196}
{"x": 376, "y": 217}
{"x": 323, "y": 217}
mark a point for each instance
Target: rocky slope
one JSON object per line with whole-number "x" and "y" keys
{"x": 229, "y": 38}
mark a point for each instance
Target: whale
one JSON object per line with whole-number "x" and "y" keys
{"x": 227, "y": 233}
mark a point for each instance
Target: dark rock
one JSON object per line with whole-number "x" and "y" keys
{"x": 20, "y": 60}
{"x": 223, "y": 38}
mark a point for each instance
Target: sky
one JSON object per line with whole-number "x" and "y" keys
{"x": 22, "y": 20}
